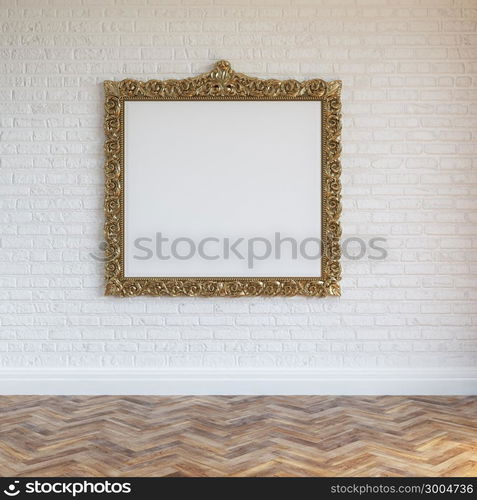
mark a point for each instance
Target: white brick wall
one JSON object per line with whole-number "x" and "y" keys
{"x": 409, "y": 76}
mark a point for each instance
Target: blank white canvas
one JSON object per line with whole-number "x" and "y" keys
{"x": 222, "y": 169}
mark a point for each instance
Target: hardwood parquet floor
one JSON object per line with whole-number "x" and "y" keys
{"x": 238, "y": 436}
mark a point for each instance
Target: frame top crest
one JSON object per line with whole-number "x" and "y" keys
{"x": 223, "y": 82}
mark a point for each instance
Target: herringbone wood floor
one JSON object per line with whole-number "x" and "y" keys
{"x": 238, "y": 436}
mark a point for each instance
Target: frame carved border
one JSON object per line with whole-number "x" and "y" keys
{"x": 222, "y": 83}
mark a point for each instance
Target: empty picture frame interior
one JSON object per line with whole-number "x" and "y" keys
{"x": 222, "y": 185}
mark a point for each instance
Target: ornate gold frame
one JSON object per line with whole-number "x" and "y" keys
{"x": 222, "y": 83}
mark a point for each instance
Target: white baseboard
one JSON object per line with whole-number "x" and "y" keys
{"x": 210, "y": 382}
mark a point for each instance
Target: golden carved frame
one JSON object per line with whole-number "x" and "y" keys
{"x": 222, "y": 83}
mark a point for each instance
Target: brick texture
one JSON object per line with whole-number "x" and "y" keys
{"x": 409, "y": 76}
